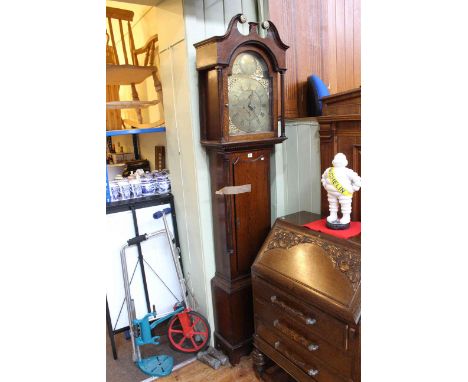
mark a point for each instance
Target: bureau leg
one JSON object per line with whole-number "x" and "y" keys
{"x": 259, "y": 361}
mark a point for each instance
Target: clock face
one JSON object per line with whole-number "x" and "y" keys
{"x": 249, "y": 92}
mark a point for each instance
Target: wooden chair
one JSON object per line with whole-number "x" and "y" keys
{"x": 130, "y": 72}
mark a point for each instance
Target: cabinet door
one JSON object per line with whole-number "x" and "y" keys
{"x": 157, "y": 256}
{"x": 252, "y": 209}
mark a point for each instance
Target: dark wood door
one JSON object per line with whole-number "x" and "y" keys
{"x": 251, "y": 210}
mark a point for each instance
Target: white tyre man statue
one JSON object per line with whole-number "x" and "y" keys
{"x": 340, "y": 183}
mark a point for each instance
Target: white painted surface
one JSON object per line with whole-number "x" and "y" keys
{"x": 156, "y": 251}
{"x": 296, "y": 169}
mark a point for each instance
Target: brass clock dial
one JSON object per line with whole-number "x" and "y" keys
{"x": 249, "y": 89}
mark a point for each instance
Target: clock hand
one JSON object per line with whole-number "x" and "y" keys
{"x": 250, "y": 101}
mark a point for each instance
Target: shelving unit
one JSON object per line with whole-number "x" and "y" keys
{"x": 128, "y": 74}
{"x": 135, "y": 66}
{"x": 134, "y": 133}
{"x": 114, "y": 133}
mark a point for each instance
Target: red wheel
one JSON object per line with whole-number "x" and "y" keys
{"x": 196, "y": 334}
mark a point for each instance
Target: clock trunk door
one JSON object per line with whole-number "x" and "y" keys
{"x": 252, "y": 209}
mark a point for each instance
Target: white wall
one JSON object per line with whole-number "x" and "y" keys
{"x": 297, "y": 169}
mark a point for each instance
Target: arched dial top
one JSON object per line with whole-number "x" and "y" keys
{"x": 249, "y": 95}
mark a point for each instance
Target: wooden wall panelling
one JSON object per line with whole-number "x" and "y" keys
{"x": 285, "y": 22}
{"x": 340, "y": 46}
{"x": 308, "y": 48}
{"x": 328, "y": 44}
{"x": 357, "y": 42}
{"x": 324, "y": 38}
{"x": 349, "y": 44}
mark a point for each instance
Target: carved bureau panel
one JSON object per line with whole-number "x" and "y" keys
{"x": 306, "y": 289}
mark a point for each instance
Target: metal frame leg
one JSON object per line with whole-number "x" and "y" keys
{"x": 110, "y": 332}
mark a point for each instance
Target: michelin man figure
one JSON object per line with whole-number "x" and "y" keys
{"x": 340, "y": 183}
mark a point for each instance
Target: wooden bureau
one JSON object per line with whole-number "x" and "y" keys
{"x": 307, "y": 305}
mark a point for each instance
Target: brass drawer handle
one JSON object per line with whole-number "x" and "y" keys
{"x": 310, "y": 346}
{"x": 300, "y": 315}
{"x": 312, "y": 372}
{"x": 309, "y": 370}
{"x": 310, "y": 321}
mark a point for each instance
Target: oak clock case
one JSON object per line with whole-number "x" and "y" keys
{"x": 241, "y": 85}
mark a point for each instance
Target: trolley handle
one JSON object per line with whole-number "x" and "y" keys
{"x": 159, "y": 214}
{"x": 137, "y": 239}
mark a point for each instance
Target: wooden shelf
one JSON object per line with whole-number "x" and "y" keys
{"x": 130, "y": 124}
{"x": 127, "y": 74}
{"x": 114, "y": 105}
{"x": 114, "y": 133}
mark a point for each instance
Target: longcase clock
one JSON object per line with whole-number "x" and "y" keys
{"x": 241, "y": 84}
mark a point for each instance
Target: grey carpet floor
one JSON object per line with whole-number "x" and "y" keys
{"x": 124, "y": 369}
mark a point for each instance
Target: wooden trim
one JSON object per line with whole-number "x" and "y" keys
{"x": 147, "y": 44}
{"x": 132, "y": 45}
{"x": 117, "y": 13}
{"x": 341, "y": 117}
{"x": 137, "y": 125}
{"x": 113, "y": 41}
{"x": 301, "y": 119}
{"x": 124, "y": 46}
{"x": 337, "y": 97}
{"x": 130, "y": 104}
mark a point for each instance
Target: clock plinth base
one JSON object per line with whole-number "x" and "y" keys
{"x": 233, "y": 311}
{"x": 234, "y": 352}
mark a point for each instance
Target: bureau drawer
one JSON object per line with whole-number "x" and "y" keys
{"x": 311, "y": 347}
{"x": 313, "y": 369}
{"x": 310, "y": 318}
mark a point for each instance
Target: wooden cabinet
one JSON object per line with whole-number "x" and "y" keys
{"x": 306, "y": 291}
{"x": 340, "y": 132}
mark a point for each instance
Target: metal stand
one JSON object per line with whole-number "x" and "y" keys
{"x": 140, "y": 329}
{"x": 133, "y": 205}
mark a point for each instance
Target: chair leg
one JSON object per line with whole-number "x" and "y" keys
{"x": 136, "y": 98}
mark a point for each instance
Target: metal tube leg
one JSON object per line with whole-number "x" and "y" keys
{"x": 175, "y": 258}
{"x": 110, "y": 332}
{"x": 130, "y": 305}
